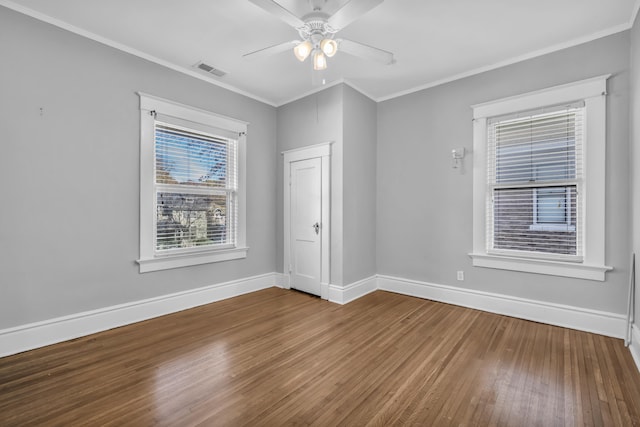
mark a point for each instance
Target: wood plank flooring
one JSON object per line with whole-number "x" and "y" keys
{"x": 279, "y": 357}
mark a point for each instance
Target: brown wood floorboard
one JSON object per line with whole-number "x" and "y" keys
{"x": 278, "y": 357}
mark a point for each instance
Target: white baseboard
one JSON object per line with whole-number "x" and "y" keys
{"x": 39, "y": 334}
{"x": 346, "y": 294}
{"x": 634, "y": 347}
{"x": 27, "y": 337}
{"x": 599, "y": 322}
{"x": 281, "y": 280}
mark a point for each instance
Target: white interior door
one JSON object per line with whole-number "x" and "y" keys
{"x": 305, "y": 223}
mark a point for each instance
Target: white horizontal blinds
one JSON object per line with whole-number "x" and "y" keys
{"x": 535, "y": 178}
{"x": 208, "y": 129}
{"x": 196, "y": 184}
{"x": 189, "y": 158}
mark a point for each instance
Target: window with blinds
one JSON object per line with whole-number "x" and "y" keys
{"x": 535, "y": 178}
{"x": 195, "y": 187}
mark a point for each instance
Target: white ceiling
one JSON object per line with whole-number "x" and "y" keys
{"x": 433, "y": 40}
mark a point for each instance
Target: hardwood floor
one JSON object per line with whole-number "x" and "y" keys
{"x": 278, "y": 357}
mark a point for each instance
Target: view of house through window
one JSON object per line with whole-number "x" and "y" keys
{"x": 195, "y": 182}
{"x": 535, "y": 177}
{"x": 192, "y": 186}
{"x": 535, "y": 209}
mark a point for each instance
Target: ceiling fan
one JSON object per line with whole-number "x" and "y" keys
{"x": 317, "y": 30}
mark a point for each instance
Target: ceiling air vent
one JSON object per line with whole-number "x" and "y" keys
{"x": 209, "y": 69}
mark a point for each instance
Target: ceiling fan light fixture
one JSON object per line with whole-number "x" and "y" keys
{"x": 302, "y": 50}
{"x": 319, "y": 61}
{"x": 329, "y": 47}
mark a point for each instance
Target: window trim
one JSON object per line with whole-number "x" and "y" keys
{"x": 149, "y": 259}
{"x": 593, "y": 92}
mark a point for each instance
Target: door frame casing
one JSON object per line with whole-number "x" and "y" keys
{"x": 323, "y": 152}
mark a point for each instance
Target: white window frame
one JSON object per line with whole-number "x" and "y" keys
{"x": 593, "y": 93}
{"x": 150, "y": 260}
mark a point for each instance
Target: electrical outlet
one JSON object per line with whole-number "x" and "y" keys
{"x": 460, "y": 275}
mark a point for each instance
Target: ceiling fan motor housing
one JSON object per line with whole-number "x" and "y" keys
{"x": 315, "y": 30}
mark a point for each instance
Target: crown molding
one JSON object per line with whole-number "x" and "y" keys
{"x": 127, "y": 49}
{"x": 327, "y": 86}
{"x": 634, "y": 14}
{"x": 192, "y": 73}
{"x": 514, "y": 60}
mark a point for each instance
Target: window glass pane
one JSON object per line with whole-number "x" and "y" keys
{"x": 513, "y": 214}
{"x": 188, "y": 220}
{"x": 551, "y": 205}
{"x": 515, "y": 220}
{"x": 186, "y": 157}
{"x": 538, "y": 148}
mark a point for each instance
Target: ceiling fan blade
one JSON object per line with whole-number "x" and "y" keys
{"x": 272, "y": 50}
{"x": 277, "y": 10}
{"x": 351, "y": 11}
{"x": 364, "y": 51}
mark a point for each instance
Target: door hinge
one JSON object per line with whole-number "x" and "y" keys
{"x": 290, "y": 269}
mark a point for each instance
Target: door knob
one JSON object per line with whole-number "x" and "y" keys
{"x": 316, "y": 227}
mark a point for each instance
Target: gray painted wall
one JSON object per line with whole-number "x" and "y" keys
{"x": 314, "y": 119}
{"x": 69, "y": 223}
{"x": 348, "y": 119}
{"x": 70, "y": 195}
{"x": 635, "y": 152}
{"x": 424, "y": 223}
{"x": 359, "y": 185}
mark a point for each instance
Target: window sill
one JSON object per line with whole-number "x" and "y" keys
{"x": 185, "y": 260}
{"x": 541, "y": 266}
{"x": 552, "y": 227}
